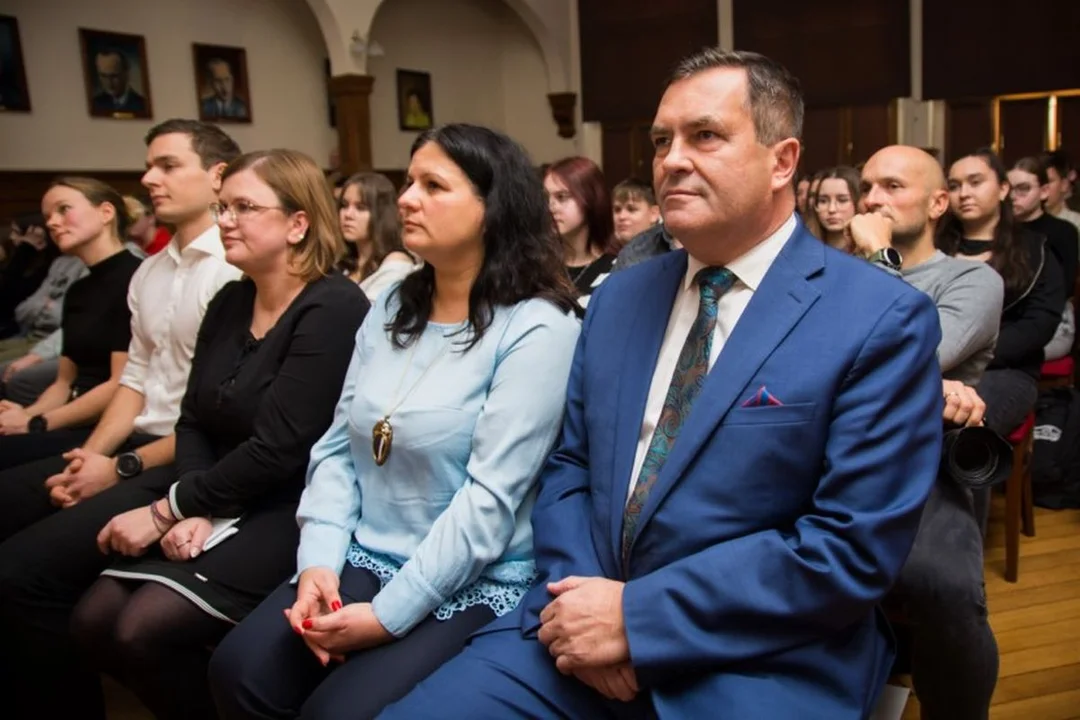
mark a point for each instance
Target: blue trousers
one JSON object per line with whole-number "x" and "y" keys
{"x": 502, "y": 675}
{"x": 262, "y": 669}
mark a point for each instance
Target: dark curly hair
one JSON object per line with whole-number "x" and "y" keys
{"x": 1008, "y": 251}
{"x": 521, "y": 258}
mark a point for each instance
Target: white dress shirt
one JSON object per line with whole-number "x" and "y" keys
{"x": 168, "y": 296}
{"x": 749, "y": 270}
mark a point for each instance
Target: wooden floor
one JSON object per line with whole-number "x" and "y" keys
{"x": 1036, "y": 620}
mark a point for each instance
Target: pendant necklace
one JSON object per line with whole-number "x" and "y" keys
{"x": 382, "y": 434}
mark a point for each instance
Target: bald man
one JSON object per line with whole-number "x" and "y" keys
{"x": 905, "y": 195}
{"x": 954, "y": 654}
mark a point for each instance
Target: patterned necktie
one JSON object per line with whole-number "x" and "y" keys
{"x": 686, "y": 384}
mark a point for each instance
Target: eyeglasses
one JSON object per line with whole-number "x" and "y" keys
{"x": 239, "y": 211}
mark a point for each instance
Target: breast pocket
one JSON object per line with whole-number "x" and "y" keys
{"x": 772, "y": 414}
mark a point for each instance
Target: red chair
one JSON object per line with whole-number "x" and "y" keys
{"x": 1019, "y": 500}
{"x": 1057, "y": 373}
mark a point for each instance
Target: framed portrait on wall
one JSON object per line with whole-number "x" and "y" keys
{"x": 414, "y": 100}
{"x": 116, "y": 74}
{"x": 14, "y": 95}
{"x": 221, "y": 77}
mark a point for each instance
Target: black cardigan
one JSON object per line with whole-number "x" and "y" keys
{"x": 1029, "y": 321}
{"x": 254, "y": 408}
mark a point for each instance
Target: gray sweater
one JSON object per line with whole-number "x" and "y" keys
{"x": 39, "y": 314}
{"x": 969, "y": 297}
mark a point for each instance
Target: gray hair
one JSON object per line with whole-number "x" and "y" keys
{"x": 775, "y": 95}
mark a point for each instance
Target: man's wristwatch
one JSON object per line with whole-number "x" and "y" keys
{"x": 37, "y": 424}
{"x": 889, "y": 257}
{"x": 128, "y": 465}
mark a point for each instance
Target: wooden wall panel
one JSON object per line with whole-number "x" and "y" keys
{"x": 872, "y": 127}
{"x": 1023, "y": 129}
{"x": 1069, "y": 126}
{"x": 972, "y": 48}
{"x": 845, "y": 52}
{"x": 822, "y": 139}
{"x": 628, "y": 49}
{"x": 969, "y": 125}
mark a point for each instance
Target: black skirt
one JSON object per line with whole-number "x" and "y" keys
{"x": 229, "y": 580}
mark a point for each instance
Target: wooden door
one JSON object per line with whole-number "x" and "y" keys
{"x": 1023, "y": 128}
{"x": 1069, "y": 126}
{"x": 969, "y": 125}
{"x": 823, "y": 140}
{"x": 617, "y": 150}
{"x": 627, "y": 152}
{"x": 870, "y": 128}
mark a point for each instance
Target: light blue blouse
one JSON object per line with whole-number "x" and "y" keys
{"x": 445, "y": 522}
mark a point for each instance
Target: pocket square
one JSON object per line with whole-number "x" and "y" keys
{"x": 762, "y": 398}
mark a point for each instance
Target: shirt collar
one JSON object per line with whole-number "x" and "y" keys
{"x": 208, "y": 243}
{"x": 751, "y": 266}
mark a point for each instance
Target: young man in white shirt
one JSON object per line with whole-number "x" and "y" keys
{"x": 51, "y": 511}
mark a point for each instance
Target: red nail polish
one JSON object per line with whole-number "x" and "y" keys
{"x": 306, "y": 624}
{"x": 336, "y": 605}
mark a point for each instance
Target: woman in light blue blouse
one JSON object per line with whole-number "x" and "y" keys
{"x": 415, "y": 521}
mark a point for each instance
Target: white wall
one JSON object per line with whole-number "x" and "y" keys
{"x": 285, "y": 55}
{"x": 485, "y": 66}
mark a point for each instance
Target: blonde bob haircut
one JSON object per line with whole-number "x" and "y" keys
{"x": 300, "y": 186}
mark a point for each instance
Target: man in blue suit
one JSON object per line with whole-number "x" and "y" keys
{"x": 753, "y": 424}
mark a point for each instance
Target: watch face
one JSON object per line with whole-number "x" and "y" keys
{"x": 893, "y": 256}
{"x": 37, "y": 424}
{"x": 128, "y": 464}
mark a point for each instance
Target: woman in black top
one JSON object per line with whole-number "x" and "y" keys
{"x": 87, "y": 219}
{"x": 268, "y": 368}
{"x": 581, "y": 207}
{"x": 981, "y": 227}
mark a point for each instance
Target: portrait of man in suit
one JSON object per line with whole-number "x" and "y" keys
{"x": 223, "y": 87}
{"x": 753, "y": 425}
{"x": 116, "y": 74}
{"x": 13, "y": 93}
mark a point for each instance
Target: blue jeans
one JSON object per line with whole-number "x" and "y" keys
{"x": 954, "y": 653}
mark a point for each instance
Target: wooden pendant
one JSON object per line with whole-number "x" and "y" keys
{"x": 382, "y": 438}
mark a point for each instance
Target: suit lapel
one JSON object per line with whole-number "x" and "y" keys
{"x": 775, "y": 309}
{"x": 638, "y": 353}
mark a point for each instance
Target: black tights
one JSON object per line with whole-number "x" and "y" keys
{"x": 153, "y": 640}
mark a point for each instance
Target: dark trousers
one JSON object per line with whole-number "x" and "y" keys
{"x": 23, "y": 497}
{"x": 16, "y": 450}
{"x": 954, "y": 662}
{"x": 503, "y": 675}
{"x": 1009, "y": 396}
{"x": 262, "y": 669}
{"x": 44, "y": 570}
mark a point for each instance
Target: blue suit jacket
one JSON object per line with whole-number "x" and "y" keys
{"x": 772, "y": 532}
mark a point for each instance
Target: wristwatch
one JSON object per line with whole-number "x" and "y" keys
{"x": 128, "y": 465}
{"x": 37, "y": 424}
{"x": 889, "y": 257}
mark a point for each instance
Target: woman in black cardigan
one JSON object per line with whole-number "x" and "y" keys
{"x": 269, "y": 363}
{"x": 981, "y": 227}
